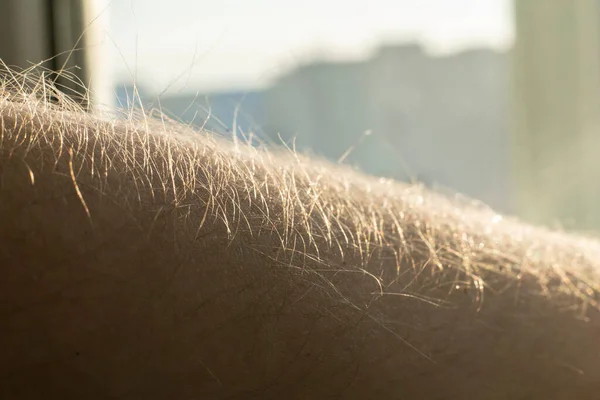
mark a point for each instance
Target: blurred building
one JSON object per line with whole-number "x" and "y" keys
{"x": 222, "y": 112}
{"x": 128, "y": 96}
{"x": 438, "y": 120}
{"x": 557, "y": 108}
{"x": 321, "y": 107}
{"x": 401, "y": 114}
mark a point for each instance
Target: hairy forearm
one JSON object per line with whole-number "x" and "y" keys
{"x": 141, "y": 259}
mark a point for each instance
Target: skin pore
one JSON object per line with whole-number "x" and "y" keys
{"x": 143, "y": 260}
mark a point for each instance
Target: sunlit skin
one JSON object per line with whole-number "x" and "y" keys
{"x": 143, "y": 260}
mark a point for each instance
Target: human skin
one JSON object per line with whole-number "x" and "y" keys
{"x": 142, "y": 260}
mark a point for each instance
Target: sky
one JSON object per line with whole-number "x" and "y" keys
{"x": 223, "y": 44}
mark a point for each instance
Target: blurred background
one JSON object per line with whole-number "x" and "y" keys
{"x": 495, "y": 100}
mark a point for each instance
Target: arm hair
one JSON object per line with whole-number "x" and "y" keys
{"x": 143, "y": 259}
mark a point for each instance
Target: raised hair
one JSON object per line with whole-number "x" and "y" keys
{"x": 305, "y": 214}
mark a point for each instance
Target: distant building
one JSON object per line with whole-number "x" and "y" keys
{"x": 128, "y": 96}
{"x": 321, "y": 106}
{"x": 221, "y": 112}
{"x": 439, "y": 120}
{"x": 556, "y": 138}
{"x": 401, "y": 114}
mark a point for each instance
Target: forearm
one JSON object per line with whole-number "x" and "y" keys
{"x": 141, "y": 259}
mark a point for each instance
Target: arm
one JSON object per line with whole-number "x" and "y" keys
{"x": 140, "y": 259}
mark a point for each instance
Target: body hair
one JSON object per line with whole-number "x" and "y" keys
{"x": 141, "y": 258}
{"x": 316, "y": 214}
